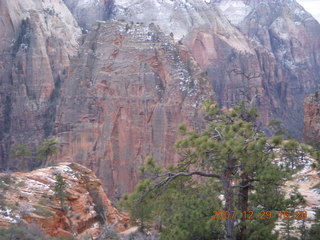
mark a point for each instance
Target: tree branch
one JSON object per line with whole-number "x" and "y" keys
{"x": 172, "y": 176}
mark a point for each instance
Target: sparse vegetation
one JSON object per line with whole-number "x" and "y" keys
{"x": 22, "y": 231}
{"x": 108, "y": 233}
{"x": 60, "y": 192}
{"x": 99, "y": 206}
{"x": 41, "y": 211}
{"x": 5, "y": 181}
{"x": 21, "y": 152}
{"x": 47, "y": 149}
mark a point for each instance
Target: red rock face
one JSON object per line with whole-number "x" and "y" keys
{"x": 128, "y": 91}
{"x": 272, "y": 38}
{"x": 311, "y": 131}
{"x": 34, "y": 62}
{"x": 33, "y": 194}
{"x": 121, "y": 98}
{"x": 277, "y": 39}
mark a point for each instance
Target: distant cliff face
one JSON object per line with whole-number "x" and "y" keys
{"x": 284, "y": 48}
{"x": 116, "y": 94}
{"x": 276, "y": 39}
{"x": 311, "y": 131}
{"x": 286, "y": 42}
{"x": 88, "y": 11}
{"x": 129, "y": 88}
{"x": 37, "y": 39}
{"x": 30, "y": 197}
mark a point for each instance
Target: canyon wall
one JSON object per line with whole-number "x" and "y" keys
{"x": 37, "y": 40}
{"x": 116, "y": 93}
{"x": 277, "y": 40}
{"x": 129, "y": 88}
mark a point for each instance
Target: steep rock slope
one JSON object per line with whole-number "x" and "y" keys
{"x": 88, "y": 11}
{"x": 37, "y": 40}
{"x": 130, "y": 87}
{"x": 278, "y": 39}
{"x": 287, "y": 43}
{"x": 29, "y": 197}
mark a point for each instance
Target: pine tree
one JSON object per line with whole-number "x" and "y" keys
{"x": 21, "y": 152}
{"x": 181, "y": 210}
{"x": 60, "y": 190}
{"x": 238, "y": 158}
{"x": 233, "y": 151}
{"x": 47, "y": 149}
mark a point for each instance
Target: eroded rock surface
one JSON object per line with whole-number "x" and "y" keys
{"x": 277, "y": 39}
{"x": 120, "y": 95}
{"x": 129, "y": 89}
{"x": 285, "y": 40}
{"x": 37, "y": 39}
{"x": 88, "y": 12}
{"x": 30, "y": 197}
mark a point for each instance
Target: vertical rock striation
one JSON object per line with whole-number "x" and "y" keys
{"x": 287, "y": 43}
{"x": 277, "y": 39}
{"x": 129, "y": 88}
{"x": 37, "y": 40}
{"x": 119, "y": 95}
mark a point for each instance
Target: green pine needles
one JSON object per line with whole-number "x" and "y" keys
{"x": 230, "y": 166}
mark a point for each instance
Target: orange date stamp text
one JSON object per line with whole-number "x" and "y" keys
{"x": 251, "y": 215}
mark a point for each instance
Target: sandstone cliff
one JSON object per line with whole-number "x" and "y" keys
{"x": 277, "y": 39}
{"x": 29, "y": 197}
{"x": 37, "y": 39}
{"x": 129, "y": 88}
{"x": 286, "y": 42}
{"x": 119, "y": 95}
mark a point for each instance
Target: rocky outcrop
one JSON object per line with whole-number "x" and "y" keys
{"x": 307, "y": 182}
{"x": 311, "y": 131}
{"x": 129, "y": 88}
{"x": 30, "y": 197}
{"x": 37, "y": 40}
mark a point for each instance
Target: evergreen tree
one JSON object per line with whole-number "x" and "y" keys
{"x": 235, "y": 155}
{"x": 60, "y": 190}
{"x": 61, "y": 194}
{"x": 21, "y": 152}
{"x": 47, "y": 149}
{"x": 233, "y": 151}
{"x": 181, "y": 210}
{"x": 140, "y": 209}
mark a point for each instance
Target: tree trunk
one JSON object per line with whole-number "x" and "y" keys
{"x": 229, "y": 225}
{"x": 243, "y": 198}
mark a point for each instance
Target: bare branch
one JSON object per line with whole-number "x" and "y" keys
{"x": 172, "y": 176}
